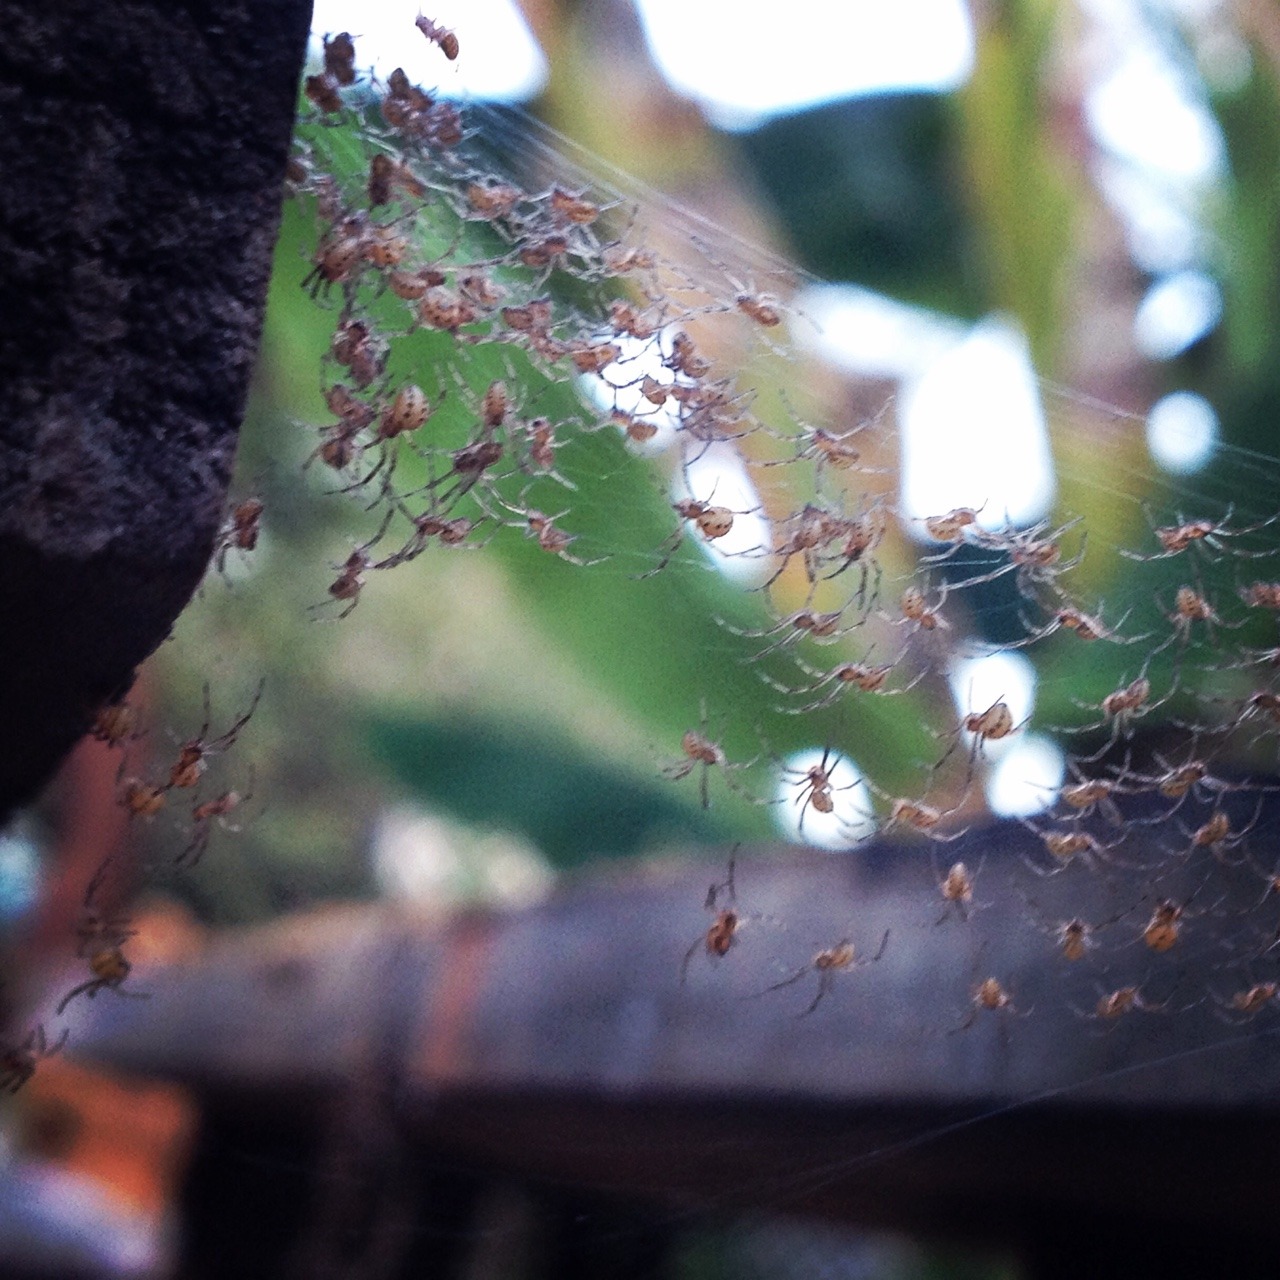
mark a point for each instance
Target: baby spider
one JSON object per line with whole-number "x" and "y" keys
{"x": 956, "y": 888}
{"x": 804, "y": 533}
{"x": 194, "y": 753}
{"x": 203, "y": 815}
{"x": 346, "y": 587}
{"x": 950, "y": 527}
{"x": 96, "y": 930}
{"x": 446, "y": 41}
{"x": 142, "y": 799}
{"x": 814, "y": 786}
{"x": 1178, "y": 782}
{"x": 701, "y": 753}
{"x": 1174, "y": 539}
{"x": 1074, "y": 939}
{"x": 1217, "y": 834}
{"x": 804, "y": 622}
{"x": 723, "y": 931}
{"x": 918, "y": 816}
{"x": 1087, "y": 794}
{"x": 711, "y": 521}
{"x": 826, "y": 964}
{"x": 856, "y": 541}
{"x": 1115, "y": 1004}
{"x": 1262, "y": 595}
{"x": 993, "y": 724}
{"x": 763, "y": 308}
{"x": 1035, "y": 557}
{"x": 823, "y": 448}
{"x": 1121, "y": 708}
{"x": 239, "y": 532}
{"x": 988, "y": 996}
{"x": 116, "y": 723}
{"x": 340, "y": 58}
{"x": 917, "y": 611}
{"x": 553, "y": 540}
{"x": 1247, "y": 1003}
{"x": 109, "y": 968}
{"x": 1064, "y": 846}
{"x": 18, "y": 1063}
{"x": 845, "y": 675}
{"x": 1162, "y": 931}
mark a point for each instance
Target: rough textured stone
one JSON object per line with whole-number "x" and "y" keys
{"x": 142, "y": 158}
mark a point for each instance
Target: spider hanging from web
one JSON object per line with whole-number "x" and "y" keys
{"x": 841, "y": 958}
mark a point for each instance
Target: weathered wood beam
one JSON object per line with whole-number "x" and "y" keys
{"x": 559, "y": 1042}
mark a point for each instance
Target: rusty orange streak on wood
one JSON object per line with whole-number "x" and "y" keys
{"x": 442, "y": 1054}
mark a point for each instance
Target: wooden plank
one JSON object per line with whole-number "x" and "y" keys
{"x": 561, "y": 1042}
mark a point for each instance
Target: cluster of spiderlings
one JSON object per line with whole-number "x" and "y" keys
{"x": 545, "y": 279}
{"x": 101, "y": 937}
{"x": 117, "y": 726}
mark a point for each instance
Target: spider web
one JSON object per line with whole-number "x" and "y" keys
{"x": 545, "y": 362}
{"x": 663, "y": 416}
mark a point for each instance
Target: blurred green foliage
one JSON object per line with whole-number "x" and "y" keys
{"x": 523, "y": 693}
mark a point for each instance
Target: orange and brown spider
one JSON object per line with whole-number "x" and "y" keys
{"x": 956, "y": 888}
{"x": 1074, "y": 938}
{"x": 18, "y": 1063}
{"x": 988, "y": 996}
{"x": 814, "y": 786}
{"x": 100, "y": 941}
{"x": 141, "y": 798}
{"x": 340, "y": 58}
{"x": 763, "y": 308}
{"x": 1113, "y": 1005}
{"x": 203, "y": 816}
{"x": 723, "y": 930}
{"x": 700, "y": 752}
{"x": 116, "y": 723}
{"x": 710, "y": 520}
{"x": 916, "y": 609}
{"x": 950, "y": 526}
{"x": 239, "y": 531}
{"x": 826, "y": 964}
{"x": 440, "y": 36}
{"x": 1219, "y": 836}
{"x": 1200, "y": 533}
{"x": 346, "y": 587}
{"x": 193, "y": 755}
{"x": 1248, "y": 1002}
{"x": 109, "y": 968}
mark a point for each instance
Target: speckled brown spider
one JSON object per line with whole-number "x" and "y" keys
{"x": 723, "y": 930}
{"x": 18, "y": 1063}
{"x": 826, "y": 964}
{"x": 700, "y": 752}
{"x": 194, "y": 753}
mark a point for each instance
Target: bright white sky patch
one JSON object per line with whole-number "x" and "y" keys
{"x": 973, "y": 433}
{"x": 852, "y": 816}
{"x": 1027, "y": 778}
{"x": 499, "y": 60}
{"x": 1143, "y": 111}
{"x": 1177, "y": 311}
{"x": 1162, "y": 234}
{"x": 873, "y": 336}
{"x": 1182, "y": 432}
{"x": 745, "y": 61}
